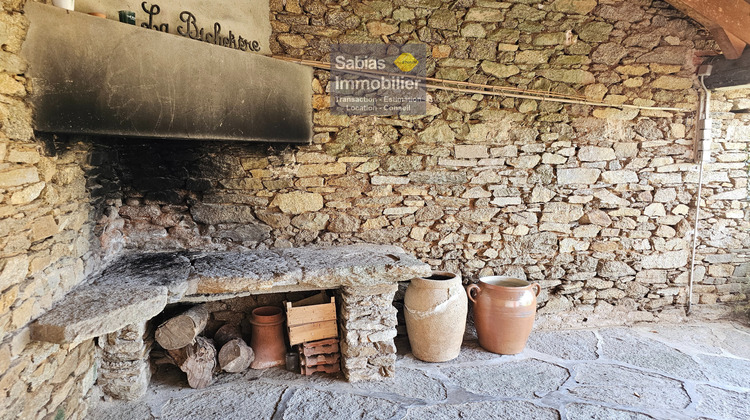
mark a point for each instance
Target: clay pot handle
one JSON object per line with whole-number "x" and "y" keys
{"x": 537, "y": 287}
{"x": 470, "y": 288}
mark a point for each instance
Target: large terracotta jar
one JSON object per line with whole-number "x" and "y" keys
{"x": 267, "y": 340}
{"x": 435, "y": 309}
{"x": 504, "y": 310}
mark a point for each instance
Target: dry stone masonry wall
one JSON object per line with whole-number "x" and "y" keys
{"x": 596, "y": 204}
{"x": 47, "y": 245}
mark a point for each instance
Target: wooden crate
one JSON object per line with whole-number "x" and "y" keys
{"x": 310, "y": 319}
{"x": 309, "y": 370}
{"x": 327, "y": 346}
{"x": 320, "y": 359}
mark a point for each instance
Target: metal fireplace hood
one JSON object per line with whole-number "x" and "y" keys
{"x": 102, "y": 77}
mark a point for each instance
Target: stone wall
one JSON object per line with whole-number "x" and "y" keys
{"x": 47, "y": 245}
{"x": 594, "y": 203}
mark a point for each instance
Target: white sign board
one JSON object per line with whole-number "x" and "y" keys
{"x": 240, "y": 24}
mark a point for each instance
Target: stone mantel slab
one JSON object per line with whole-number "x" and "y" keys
{"x": 137, "y": 287}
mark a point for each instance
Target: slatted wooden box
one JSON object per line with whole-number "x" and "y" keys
{"x": 311, "y": 319}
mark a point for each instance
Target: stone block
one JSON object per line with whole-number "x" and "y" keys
{"x": 501, "y": 71}
{"x": 23, "y": 155}
{"x": 655, "y": 210}
{"x": 553, "y": 159}
{"x": 470, "y": 151}
{"x": 91, "y": 311}
{"x": 532, "y": 56}
{"x": 442, "y": 19}
{"x": 560, "y": 212}
{"x": 738, "y": 194}
{"x": 43, "y": 227}
{"x": 672, "y": 83}
{"x": 213, "y": 214}
{"x": 297, "y": 202}
{"x": 676, "y": 55}
{"x": 128, "y": 387}
{"x": 586, "y": 231}
{"x": 525, "y": 161}
{"x": 614, "y": 269}
{"x": 619, "y": 177}
{"x": 484, "y": 14}
{"x": 337, "y": 168}
{"x": 438, "y": 177}
{"x": 387, "y": 180}
{"x": 595, "y": 153}
{"x": 596, "y": 217}
{"x": 14, "y": 270}
{"x": 19, "y": 176}
{"x": 507, "y": 201}
{"x": 595, "y": 32}
{"x": 541, "y": 194}
{"x": 574, "y": 76}
{"x": 580, "y": 7}
{"x": 577, "y": 176}
{"x": 651, "y": 276}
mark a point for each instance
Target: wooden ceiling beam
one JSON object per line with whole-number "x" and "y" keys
{"x": 729, "y": 74}
{"x": 730, "y": 45}
{"x": 732, "y": 16}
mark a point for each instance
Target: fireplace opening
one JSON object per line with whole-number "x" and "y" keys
{"x": 184, "y": 195}
{"x": 222, "y": 327}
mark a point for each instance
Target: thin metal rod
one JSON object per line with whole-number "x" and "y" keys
{"x": 704, "y": 111}
{"x": 509, "y": 92}
{"x": 368, "y": 73}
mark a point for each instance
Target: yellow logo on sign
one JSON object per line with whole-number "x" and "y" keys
{"x": 405, "y": 62}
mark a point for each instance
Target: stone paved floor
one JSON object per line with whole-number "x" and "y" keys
{"x": 696, "y": 370}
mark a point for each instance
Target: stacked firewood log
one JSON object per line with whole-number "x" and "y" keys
{"x": 208, "y": 338}
{"x": 196, "y": 355}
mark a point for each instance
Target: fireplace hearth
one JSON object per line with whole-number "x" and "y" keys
{"x": 118, "y": 304}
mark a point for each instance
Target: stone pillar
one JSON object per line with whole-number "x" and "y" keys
{"x": 367, "y": 322}
{"x": 125, "y": 369}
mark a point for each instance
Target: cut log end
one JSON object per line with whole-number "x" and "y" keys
{"x": 180, "y": 331}
{"x": 235, "y": 356}
{"x": 197, "y": 361}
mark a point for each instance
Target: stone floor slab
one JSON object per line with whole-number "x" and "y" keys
{"x": 727, "y": 370}
{"x": 308, "y": 404}
{"x": 409, "y": 383}
{"x": 526, "y": 378}
{"x": 486, "y": 410}
{"x": 627, "y": 346}
{"x": 735, "y": 340}
{"x": 251, "y": 400}
{"x": 624, "y": 386}
{"x": 569, "y": 345}
{"x": 690, "y": 338}
{"x": 596, "y": 412}
{"x": 724, "y": 404}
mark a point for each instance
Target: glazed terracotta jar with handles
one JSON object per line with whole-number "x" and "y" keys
{"x": 504, "y": 310}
